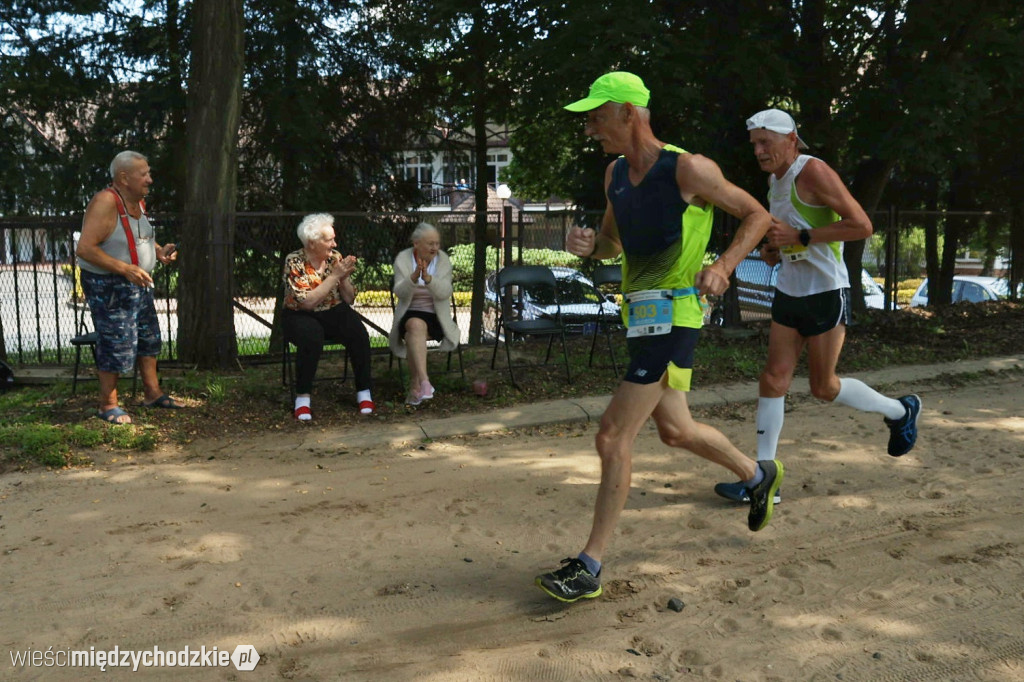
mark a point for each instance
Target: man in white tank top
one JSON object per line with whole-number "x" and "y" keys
{"x": 813, "y": 213}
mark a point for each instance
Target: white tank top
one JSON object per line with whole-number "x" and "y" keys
{"x": 823, "y": 269}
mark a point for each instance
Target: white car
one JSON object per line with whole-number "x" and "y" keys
{"x": 970, "y": 288}
{"x": 581, "y": 301}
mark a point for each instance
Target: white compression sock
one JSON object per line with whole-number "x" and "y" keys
{"x": 302, "y": 401}
{"x": 858, "y": 395}
{"x": 362, "y": 395}
{"x": 770, "y": 415}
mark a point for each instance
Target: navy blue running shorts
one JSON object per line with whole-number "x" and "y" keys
{"x": 651, "y": 356}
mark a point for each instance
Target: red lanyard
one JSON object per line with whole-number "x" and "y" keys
{"x": 123, "y": 214}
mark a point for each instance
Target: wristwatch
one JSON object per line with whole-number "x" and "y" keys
{"x": 805, "y": 237}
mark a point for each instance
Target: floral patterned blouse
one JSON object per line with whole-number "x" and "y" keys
{"x": 300, "y": 278}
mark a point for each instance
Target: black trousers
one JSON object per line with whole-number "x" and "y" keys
{"x": 308, "y": 330}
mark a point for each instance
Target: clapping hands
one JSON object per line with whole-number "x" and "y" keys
{"x": 421, "y": 271}
{"x": 342, "y": 268}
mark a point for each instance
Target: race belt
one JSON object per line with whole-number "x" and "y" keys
{"x": 650, "y": 311}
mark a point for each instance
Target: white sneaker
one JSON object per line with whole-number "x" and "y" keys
{"x": 426, "y": 390}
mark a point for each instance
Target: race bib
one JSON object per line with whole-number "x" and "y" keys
{"x": 795, "y": 252}
{"x": 650, "y": 312}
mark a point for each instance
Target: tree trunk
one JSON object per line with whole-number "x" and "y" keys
{"x": 961, "y": 197}
{"x": 814, "y": 81}
{"x": 288, "y": 155}
{"x": 476, "y": 310}
{"x": 1016, "y": 274}
{"x": 176, "y": 131}
{"x": 931, "y": 234}
{"x": 205, "y": 315}
{"x": 868, "y": 185}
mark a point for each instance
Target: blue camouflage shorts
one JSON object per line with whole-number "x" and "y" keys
{"x": 125, "y": 320}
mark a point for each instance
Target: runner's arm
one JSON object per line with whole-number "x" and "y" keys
{"x": 701, "y": 182}
{"x": 819, "y": 185}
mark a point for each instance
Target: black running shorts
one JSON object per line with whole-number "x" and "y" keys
{"x": 814, "y": 314}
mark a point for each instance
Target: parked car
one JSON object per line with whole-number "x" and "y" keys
{"x": 755, "y": 287}
{"x": 970, "y": 288}
{"x": 582, "y": 302}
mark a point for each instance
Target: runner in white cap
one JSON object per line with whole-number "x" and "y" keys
{"x": 812, "y": 215}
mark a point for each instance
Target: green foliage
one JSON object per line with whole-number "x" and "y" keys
{"x": 911, "y": 256}
{"x": 334, "y": 91}
{"x": 131, "y": 437}
{"x": 376, "y": 276}
{"x": 215, "y": 391}
{"x": 24, "y": 405}
{"x": 83, "y": 437}
{"x": 257, "y": 274}
{"x": 38, "y": 442}
{"x": 374, "y": 298}
{"x": 462, "y": 261}
{"x": 711, "y": 354}
{"x": 27, "y": 435}
{"x": 906, "y": 289}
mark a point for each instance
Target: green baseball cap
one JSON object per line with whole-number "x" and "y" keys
{"x": 617, "y": 86}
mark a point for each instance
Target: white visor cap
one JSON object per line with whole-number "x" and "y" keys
{"x": 777, "y": 121}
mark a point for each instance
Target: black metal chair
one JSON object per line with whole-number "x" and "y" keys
{"x": 604, "y": 276}
{"x": 88, "y": 339}
{"x": 431, "y": 345}
{"x": 511, "y": 285}
{"x": 288, "y": 364}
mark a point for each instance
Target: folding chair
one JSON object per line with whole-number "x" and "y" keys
{"x": 89, "y": 339}
{"x": 606, "y": 324}
{"x": 530, "y": 282}
{"x": 431, "y": 345}
{"x": 288, "y": 377}
{"x": 86, "y": 339}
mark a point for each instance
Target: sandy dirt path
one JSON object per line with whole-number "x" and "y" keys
{"x": 416, "y": 562}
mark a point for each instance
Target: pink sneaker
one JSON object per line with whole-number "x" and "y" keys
{"x": 415, "y": 397}
{"x": 427, "y": 390}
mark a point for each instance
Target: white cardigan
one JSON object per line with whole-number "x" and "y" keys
{"x": 440, "y": 288}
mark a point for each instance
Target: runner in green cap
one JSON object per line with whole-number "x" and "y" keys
{"x": 659, "y": 214}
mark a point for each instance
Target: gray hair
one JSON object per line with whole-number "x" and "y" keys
{"x": 312, "y": 227}
{"x": 422, "y": 229}
{"x": 124, "y": 161}
{"x": 643, "y": 113}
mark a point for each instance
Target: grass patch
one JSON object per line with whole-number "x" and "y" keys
{"x": 46, "y": 426}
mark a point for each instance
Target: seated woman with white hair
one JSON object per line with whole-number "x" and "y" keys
{"x": 423, "y": 286}
{"x": 318, "y": 297}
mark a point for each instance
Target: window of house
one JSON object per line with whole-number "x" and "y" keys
{"x": 496, "y": 162}
{"x": 419, "y": 168}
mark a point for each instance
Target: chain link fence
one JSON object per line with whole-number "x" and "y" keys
{"x": 42, "y": 309}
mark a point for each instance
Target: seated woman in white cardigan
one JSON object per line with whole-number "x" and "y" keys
{"x": 423, "y": 286}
